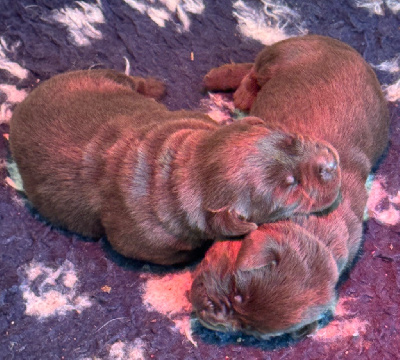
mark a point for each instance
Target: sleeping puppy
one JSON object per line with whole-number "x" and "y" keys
{"x": 281, "y": 278}
{"x": 99, "y": 157}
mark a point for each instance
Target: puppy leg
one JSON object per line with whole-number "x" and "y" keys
{"x": 247, "y": 92}
{"x": 235, "y": 76}
{"x": 226, "y": 77}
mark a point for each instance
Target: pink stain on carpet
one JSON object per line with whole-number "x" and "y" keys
{"x": 168, "y": 295}
{"x": 346, "y": 324}
{"x": 386, "y": 216}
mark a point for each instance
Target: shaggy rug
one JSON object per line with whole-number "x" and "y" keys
{"x": 64, "y": 297}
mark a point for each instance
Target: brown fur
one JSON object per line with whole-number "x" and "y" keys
{"x": 281, "y": 278}
{"x": 96, "y": 157}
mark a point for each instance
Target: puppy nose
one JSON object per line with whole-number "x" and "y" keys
{"x": 327, "y": 168}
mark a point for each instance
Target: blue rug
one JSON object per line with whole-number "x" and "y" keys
{"x": 65, "y": 297}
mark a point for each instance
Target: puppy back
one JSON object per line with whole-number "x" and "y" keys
{"x": 321, "y": 87}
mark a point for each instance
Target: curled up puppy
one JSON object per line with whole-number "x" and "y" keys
{"x": 98, "y": 155}
{"x": 282, "y": 277}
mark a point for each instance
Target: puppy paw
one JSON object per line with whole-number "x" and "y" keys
{"x": 226, "y": 77}
{"x": 228, "y": 222}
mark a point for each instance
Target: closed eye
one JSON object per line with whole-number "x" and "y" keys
{"x": 291, "y": 181}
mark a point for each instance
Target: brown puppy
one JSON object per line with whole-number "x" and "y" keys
{"x": 98, "y": 157}
{"x": 281, "y": 278}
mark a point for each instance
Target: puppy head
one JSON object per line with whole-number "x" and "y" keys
{"x": 293, "y": 174}
{"x": 261, "y": 174}
{"x": 279, "y": 279}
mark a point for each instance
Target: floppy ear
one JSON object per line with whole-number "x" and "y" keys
{"x": 228, "y": 222}
{"x": 257, "y": 253}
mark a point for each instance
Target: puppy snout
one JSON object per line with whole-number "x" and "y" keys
{"x": 327, "y": 169}
{"x": 326, "y": 166}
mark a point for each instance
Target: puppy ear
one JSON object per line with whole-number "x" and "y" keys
{"x": 228, "y": 222}
{"x": 257, "y": 253}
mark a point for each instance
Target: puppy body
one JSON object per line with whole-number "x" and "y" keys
{"x": 329, "y": 93}
{"x": 98, "y": 157}
{"x": 281, "y": 278}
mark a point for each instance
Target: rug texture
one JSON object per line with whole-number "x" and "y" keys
{"x": 65, "y": 297}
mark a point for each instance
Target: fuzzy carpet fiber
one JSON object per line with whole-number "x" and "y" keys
{"x": 64, "y": 297}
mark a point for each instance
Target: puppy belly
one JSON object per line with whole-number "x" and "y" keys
{"x": 144, "y": 239}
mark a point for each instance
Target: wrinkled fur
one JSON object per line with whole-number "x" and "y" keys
{"x": 281, "y": 278}
{"x": 99, "y": 157}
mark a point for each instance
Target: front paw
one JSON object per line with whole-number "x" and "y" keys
{"x": 226, "y": 77}
{"x": 225, "y": 222}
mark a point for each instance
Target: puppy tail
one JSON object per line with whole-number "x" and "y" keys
{"x": 149, "y": 87}
{"x": 226, "y": 77}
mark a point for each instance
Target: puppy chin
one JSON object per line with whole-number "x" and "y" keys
{"x": 214, "y": 327}
{"x": 304, "y": 331}
{"x": 297, "y": 332}
{"x": 327, "y": 209}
